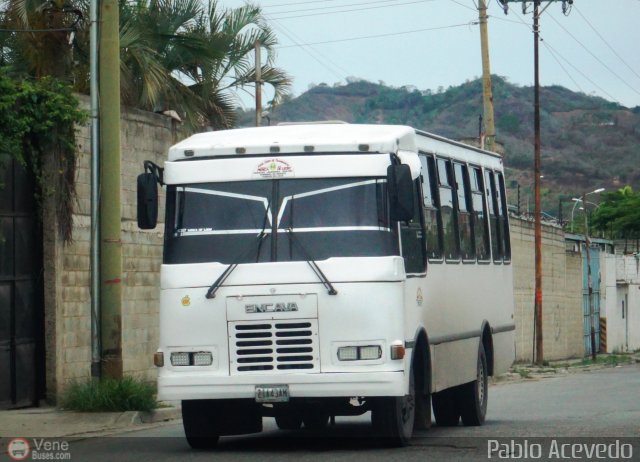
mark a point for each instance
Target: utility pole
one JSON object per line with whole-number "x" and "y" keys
{"x": 539, "y": 357}
{"x": 110, "y": 221}
{"x": 487, "y": 95}
{"x": 538, "y": 353}
{"x": 258, "y": 85}
{"x": 587, "y": 245}
{"x": 96, "y": 350}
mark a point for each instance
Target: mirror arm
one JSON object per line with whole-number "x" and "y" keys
{"x": 152, "y": 167}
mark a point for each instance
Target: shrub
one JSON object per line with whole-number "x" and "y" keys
{"x": 110, "y": 395}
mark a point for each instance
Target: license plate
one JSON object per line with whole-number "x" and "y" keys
{"x": 272, "y": 393}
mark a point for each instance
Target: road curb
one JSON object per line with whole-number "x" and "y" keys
{"x": 163, "y": 414}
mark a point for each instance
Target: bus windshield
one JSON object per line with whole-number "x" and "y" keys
{"x": 220, "y": 222}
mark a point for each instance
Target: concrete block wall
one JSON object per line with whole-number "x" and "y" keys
{"x": 144, "y": 136}
{"x": 561, "y": 293}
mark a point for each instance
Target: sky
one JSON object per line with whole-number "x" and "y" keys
{"x": 428, "y": 44}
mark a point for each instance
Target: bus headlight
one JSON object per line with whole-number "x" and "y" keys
{"x": 202, "y": 358}
{"x": 180, "y": 359}
{"x": 191, "y": 358}
{"x": 355, "y": 353}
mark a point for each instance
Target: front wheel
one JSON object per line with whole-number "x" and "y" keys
{"x": 445, "y": 408}
{"x": 315, "y": 420}
{"x": 473, "y": 396}
{"x": 199, "y": 425}
{"x": 393, "y": 417}
{"x": 289, "y": 419}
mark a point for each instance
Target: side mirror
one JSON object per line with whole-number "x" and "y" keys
{"x": 400, "y": 186}
{"x": 147, "y": 200}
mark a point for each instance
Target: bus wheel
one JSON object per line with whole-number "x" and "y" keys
{"x": 393, "y": 417}
{"x": 473, "y": 396}
{"x": 199, "y": 425}
{"x": 445, "y": 409}
{"x": 288, "y": 419}
{"x": 315, "y": 420}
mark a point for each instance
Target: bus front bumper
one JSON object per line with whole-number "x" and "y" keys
{"x": 183, "y": 386}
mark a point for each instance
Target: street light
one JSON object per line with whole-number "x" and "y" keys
{"x": 587, "y": 244}
{"x": 581, "y": 199}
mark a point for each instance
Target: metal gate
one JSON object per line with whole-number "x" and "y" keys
{"x": 595, "y": 282}
{"x": 21, "y": 287}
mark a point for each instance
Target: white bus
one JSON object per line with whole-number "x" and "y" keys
{"x": 321, "y": 270}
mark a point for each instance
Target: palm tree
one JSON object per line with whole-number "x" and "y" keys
{"x": 36, "y": 37}
{"x": 175, "y": 54}
{"x": 236, "y": 32}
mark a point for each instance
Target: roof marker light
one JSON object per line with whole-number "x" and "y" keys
{"x": 188, "y": 153}
{"x": 363, "y": 147}
{"x": 309, "y": 149}
{"x": 274, "y": 149}
{"x": 240, "y": 150}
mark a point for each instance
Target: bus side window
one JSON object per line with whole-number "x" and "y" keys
{"x": 447, "y": 211}
{"x": 492, "y": 201}
{"x": 467, "y": 247}
{"x": 480, "y": 224}
{"x": 412, "y": 236}
{"x": 504, "y": 219}
{"x": 430, "y": 206}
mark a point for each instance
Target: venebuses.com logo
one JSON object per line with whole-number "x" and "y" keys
{"x": 38, "y": 449}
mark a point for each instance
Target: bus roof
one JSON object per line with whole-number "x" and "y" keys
{"x": 317, "y": 138}
{"x": 330, "y": 137}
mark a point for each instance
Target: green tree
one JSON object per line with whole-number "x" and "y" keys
{"x": 619, "y": 214}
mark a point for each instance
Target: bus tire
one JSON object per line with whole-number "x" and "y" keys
{"x": 315, "y": 420}
{"x": 289, "y": 419}
{"x": 393, "y": 417}
{"x": 422, "y": 419}
{"x": 445, "y": 409}
{"x": 199, "y": 425}
{"x": 473, "y": 396}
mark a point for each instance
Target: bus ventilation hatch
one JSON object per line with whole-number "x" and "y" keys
{"x": 275, "y": 346}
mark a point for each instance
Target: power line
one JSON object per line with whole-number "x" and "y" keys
{"x": 607, "y": 43}
{"x": 355, "y": 9}
{"x": 464, "y": 6}
{"x": 296, "y": 3}
{"x": 552, "y": 53}
{"x": 332, "y": 7}
{"x": 309, "y": 50}
{"x": 582, "y": 73}
{"x": 567, "y": 61}
{"x": 350, "y": 39}
{"x": 594, "y": 56}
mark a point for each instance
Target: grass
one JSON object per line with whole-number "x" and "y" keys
{"x": 524, "y": 373}
{"x": 609, "y": 360}
{"x": 110, "y": 395}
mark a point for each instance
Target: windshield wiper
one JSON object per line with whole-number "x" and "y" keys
{"x": 211, "y": 293}
{"x": 314, "y": 266}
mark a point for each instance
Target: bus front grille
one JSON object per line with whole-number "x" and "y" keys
{"x": 274, "y": 346}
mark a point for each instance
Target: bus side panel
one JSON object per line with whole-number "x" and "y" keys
{"x": 454, "y": 363}
{"x": 504, "y": 351}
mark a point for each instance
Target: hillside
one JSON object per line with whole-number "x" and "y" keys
{"x": 587, "y": 142}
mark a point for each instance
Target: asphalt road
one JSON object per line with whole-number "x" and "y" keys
{"x": 582, "y": 408}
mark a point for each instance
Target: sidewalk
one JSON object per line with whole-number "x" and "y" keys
{"x": 51, "y": 422}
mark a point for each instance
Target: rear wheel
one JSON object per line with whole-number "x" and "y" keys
{"x": 473, "y": 396}
{"x": 445, "y": 408}
{"x": 393, "y": 417}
